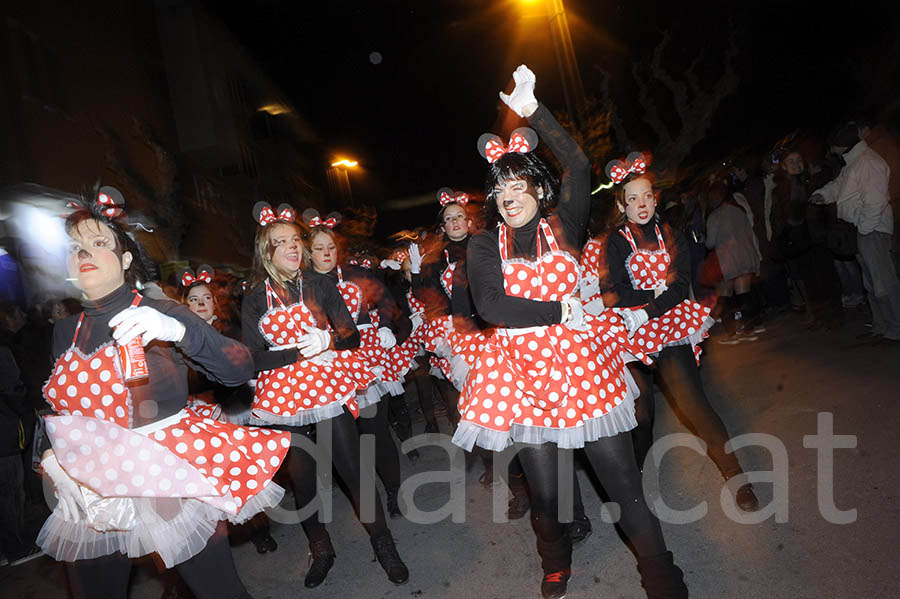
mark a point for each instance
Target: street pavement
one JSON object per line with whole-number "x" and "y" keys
{"x": 780, "y": 385}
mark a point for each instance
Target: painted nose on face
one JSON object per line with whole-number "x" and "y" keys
{"x": 83, "y": 254}
{"x": 507, "y": 203}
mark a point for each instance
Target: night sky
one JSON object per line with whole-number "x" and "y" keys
{"x": 412, "y": 119}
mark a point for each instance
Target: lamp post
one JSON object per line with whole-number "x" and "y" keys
{"x": 339, "y": 180}
{"x": 566, "y": 63}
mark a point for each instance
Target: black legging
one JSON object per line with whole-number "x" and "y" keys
{"x": 612, "y": 459}
{"x": 678, "y": 371}
{"x": 209, "y": 575}
{"x": 346, "y": 459}
{"x": 373, "y": 420}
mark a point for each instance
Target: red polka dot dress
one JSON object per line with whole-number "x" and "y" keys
{"x": 547, "y": 383}
{"x": 403, "y": 354}
{"x": 686, "y": 323}
{"x": 370, "y": 352}
{"x": 161, "y": 488}
{"x": 309, "y": 390}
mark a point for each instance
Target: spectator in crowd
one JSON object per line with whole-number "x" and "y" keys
{"x": 860, "y": 192}
{"x": 729, "y": 234}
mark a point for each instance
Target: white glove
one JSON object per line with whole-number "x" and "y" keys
{"x": 522, "y": 100}
{"x": 415, "y": 259}
{"x": 416, "y": 320}
{"x": 148, "y": 322}
{"x": 67, "y": 490}
{"x": 589, "y": 286}
{"x": 386, "y": 338}
{"x": 314, "y": 342}
{"x": 633, "y": 319}
{"x": 660, "y": 290}
{"x": 459, "y": 370}
{"x": 595, "y": 307}
{"x": 442, "y": 349}
{"x": 392, "y": 264}
{"x": 575, "y": 320}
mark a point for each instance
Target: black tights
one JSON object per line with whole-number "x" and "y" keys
{"x": 612, "y": 459}
{"x": 426, "y": 385}
{"x": 373, "y": 420}
{"x": 346, "y": 459}
{"x": 678, "y": 370}
{"x": 209, "y": 575}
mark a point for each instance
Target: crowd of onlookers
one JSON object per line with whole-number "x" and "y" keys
{"x": 802, "y": 228}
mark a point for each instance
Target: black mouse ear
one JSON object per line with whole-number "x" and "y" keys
{"x": 205, "y": 273}
{"x": 335, "y": 216}
{"x": 529, "y": 135}
{"x": 616, "y": 170}
{"x": 636, "y": 162}
{"x": 286, "y": 212}
{"x": 308, "y": 215}
{"x": 263, "y": 213}
{"x": 485, "y": 142}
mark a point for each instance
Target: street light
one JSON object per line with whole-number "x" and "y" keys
{"x": 339, "y": 179}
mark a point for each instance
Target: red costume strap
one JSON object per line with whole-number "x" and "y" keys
{"x": 659, "y": 238}
{"x": 626, "y": 233}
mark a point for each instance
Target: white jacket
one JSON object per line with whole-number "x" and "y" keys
{"x": 861, "y": 191}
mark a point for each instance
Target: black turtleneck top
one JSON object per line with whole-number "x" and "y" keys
{"x": 319, "y": 296}
{"x": 569, "y": 224}
{"x": 165, "y": 392}
{"x": 427, "y": 287}
{"x": 617, "y": 288}
{"x": 375, "y": 294}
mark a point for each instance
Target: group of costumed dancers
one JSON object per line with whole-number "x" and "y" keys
{"x": 170, "y": 423}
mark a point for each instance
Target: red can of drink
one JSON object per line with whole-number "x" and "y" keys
{"x": 134, "y": 361}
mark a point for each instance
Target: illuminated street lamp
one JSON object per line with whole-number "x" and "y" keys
{"x": 339, "y": 180}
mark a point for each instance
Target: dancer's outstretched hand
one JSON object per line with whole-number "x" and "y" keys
{"x": 522, "y": 100}
{"x": 633, "y": 319}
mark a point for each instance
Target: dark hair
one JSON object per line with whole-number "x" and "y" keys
{"x": 88, "y": 208}
{"x": 515, "y": 165}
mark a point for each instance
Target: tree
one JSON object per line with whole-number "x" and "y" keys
{"x": 695, "y": 102}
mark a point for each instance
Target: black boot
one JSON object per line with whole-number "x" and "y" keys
{"x": 579, "y": 529}
{"x": 322, "y": 555}
{"x": 387, "y": 556}
{"x": 393, "y": 507}
{"x": 661, "y": 578}
{"x": 520, "y": 502}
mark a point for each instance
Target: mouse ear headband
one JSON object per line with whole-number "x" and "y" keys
{"x": 264, "y": 215}
{"x": 492, "y": 148}
{"x": 445, "y": 196}
{"x": 635, "y": 163}
{"x": 312, "y": 219}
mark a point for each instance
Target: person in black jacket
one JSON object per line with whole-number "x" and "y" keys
{"x": 648, "y": 282}
{"x": 121, "y": 407}
{"x": 553, "y": 379}
{"x": 306, "y": 376}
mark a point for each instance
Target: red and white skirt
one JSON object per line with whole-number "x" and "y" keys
{"x": 161, "y": 488}
{"x": 686, "y": 323}
{"x": 550, "y": 384}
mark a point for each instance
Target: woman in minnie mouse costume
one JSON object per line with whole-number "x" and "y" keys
{"x": 208, "y": 399}
{"x": 134, "y": 472}
{"x": 552, "y": 377}
{"x": 363, "y": 294}
{"x": 307, "y": 375}
{"x": 647, "y": 277}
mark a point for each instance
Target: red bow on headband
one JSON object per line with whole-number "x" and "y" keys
{"x": 494, "y": 150}
{"x": 111, "y": 210}
{"x": 316, "y": 221}
{"x": 460, "y": 198}
{"x": 618, "y": 172}
{"x": 188, "y": 279}
{"x": 268, "y": 216}
{"x": 367, "y": 264}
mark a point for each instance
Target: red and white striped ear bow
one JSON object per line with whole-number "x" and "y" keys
{"x": 109, "y": 208}
{"x": 459, "y": 198}
{"x": 328, "y": 222}
{"x": 268, "y": 216}
{"x": 494, "y": 148}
